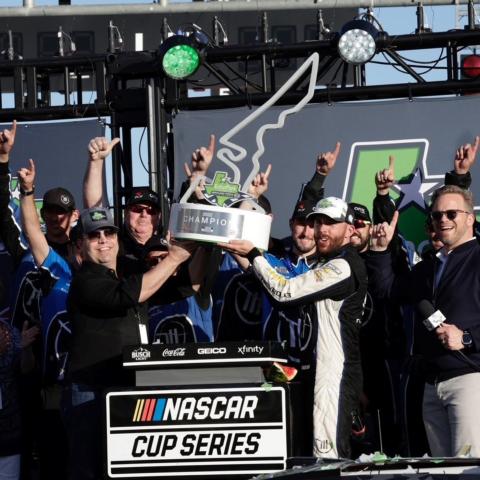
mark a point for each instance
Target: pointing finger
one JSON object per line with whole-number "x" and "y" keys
{"x": 391, "y": 162}
{"x": 211, "y": 145}
{"x": 268, "y": 170}
{"x": 337, "y": 149}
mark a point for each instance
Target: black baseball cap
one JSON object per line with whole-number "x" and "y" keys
{"x": 143, "y": 195}
{"x": 95, "y": 219}
{"x": 302, "y": 209}
{"x": 360, "y": 212}
{"x": 59, "y": 198}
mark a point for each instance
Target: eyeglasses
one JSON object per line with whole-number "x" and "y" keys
{"x": 97, "y": 234}
{"x": 361, "y": 223}
{"x": 140, "y": 208}
{"x": 450, "y": 214}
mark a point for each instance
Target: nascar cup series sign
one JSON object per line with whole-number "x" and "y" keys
{"x": 196, "y": 432}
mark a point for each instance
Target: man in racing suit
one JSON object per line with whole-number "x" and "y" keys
{"x": 337, "y": 284}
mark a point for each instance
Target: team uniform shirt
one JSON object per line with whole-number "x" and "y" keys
{"x": 55, "y": 324}
{"x": 184, "y": 321}
{"x": 337, "y": 286}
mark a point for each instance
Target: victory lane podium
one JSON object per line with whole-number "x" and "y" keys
{"x": 199, "y": 410}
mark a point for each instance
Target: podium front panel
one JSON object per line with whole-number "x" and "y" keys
{"x": 196, "y": 431}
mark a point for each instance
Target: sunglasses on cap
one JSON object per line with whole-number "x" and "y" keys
{"x": 437, "y": 215}
{"x": 361, "y": 223}
{"x": 140, "y": 208}
{"x": 97, "y": 234}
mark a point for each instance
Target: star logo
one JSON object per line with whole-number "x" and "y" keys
{"x": 413, "y": 192}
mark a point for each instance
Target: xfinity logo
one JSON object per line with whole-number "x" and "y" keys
{"x": 245, "y": 349}
{"x": 212, "y": 351}
{"x": 174, "y": 352}
{"x": 141, "y": 354}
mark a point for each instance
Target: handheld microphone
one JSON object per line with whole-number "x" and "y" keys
{"x": 431, "y": 318}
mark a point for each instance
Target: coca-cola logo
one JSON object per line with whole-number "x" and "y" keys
{"x": 174, "y": 352}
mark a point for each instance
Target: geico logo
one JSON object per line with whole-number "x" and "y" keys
{"x": 211, "y": 350}
{"x": 203, "y": 444}
{"x": 213, "y": 408}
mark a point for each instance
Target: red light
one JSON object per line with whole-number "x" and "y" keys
{"x": 471, "y": 66}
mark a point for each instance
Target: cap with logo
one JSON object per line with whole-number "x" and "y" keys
{"x": 143, "y": 195}
{"x": 302, "y": 209}
{"x": 59, "y": 198}
{"x": 334, "y": 208}
{"x": 360, "y": 212}
{"x": 96, "y": 219}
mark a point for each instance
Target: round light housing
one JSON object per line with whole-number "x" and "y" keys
{"x": 356, "y": 44}
{"x": 180, "y": 57}
{"x": 471, "y": 66}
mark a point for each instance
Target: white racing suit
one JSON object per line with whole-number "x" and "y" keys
{"x": 338, "y": 287}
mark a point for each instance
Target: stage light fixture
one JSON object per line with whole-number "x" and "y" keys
{"x": 471, "y": 66}
{"x": 357, "y": 42}
{"x": 180, "y": 56}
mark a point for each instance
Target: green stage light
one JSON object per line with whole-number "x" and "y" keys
{"x": 180, "y": 56}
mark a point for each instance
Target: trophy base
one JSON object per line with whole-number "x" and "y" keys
{"x": 208, "y": 223}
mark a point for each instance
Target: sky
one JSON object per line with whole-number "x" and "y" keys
{"x": 395, "y": 21}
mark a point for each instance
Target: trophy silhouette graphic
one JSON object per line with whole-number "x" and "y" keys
{"x": 219, "y": 222}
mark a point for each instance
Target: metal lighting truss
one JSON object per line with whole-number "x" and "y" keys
{"x": 128, "y": 87}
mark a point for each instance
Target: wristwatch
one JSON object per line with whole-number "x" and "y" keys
{"x": 467, "y": 340}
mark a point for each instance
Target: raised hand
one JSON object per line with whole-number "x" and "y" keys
{"x": 7, "y": 140}
{"x": 326, "y": 160}
{"x": 260, "y": 183}
{"x": 382, "y": 234}
{"x": 384, "y": 179}
{"x": 27, "y": 176}
{"x": 465, "y": 156}
{"x": 201, "y": 159}
{"x": 99, "y": 148}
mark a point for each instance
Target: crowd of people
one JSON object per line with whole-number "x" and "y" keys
{"x": 345, "y": 293}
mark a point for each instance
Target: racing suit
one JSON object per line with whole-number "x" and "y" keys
{"x": 338, "y": 286}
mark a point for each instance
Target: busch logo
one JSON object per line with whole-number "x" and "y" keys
{"x": 174, "y": 352}
{"x": 141, "y": 354}
{"x": 211, "y": 351}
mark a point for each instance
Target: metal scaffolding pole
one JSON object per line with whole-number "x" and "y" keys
{"x": 204, "y": 7}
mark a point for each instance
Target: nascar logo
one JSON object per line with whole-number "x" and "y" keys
{"x": 192, "y": 408}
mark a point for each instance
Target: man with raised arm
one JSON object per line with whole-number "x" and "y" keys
{"x": 448, "y": 281}
{"x": 142, "y": 207}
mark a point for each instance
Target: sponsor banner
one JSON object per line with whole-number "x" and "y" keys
{"x": 422, "y": 135}
{"x": 196, "y": 432}
{"x": 228, "y": 353}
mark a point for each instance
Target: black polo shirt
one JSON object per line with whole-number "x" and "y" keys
{"x": 105, "y": 316}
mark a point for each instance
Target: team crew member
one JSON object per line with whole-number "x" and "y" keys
{"x": 337, "y": 284}
{"x": 142, "y": 209}
{"x": 107, "y": 313}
